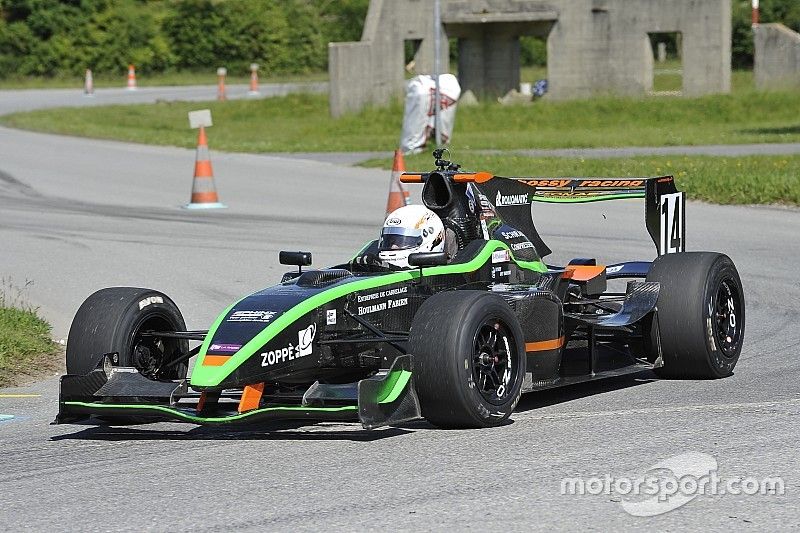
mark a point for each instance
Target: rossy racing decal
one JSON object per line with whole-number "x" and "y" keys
{"x": 563, "y": 183}
{"x": 305, "y": 339}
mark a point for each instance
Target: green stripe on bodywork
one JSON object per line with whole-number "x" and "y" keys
{"x": 207, "y": 420}
{"x": 395, "y": 384}
{"x": 585, "y": 199}
{"x": 210, "y": 334}
{"x": 211, "y": 376}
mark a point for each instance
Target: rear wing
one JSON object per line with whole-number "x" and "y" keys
{"x": 511, "y": 198}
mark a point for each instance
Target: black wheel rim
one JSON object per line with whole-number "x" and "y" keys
{"x": 727, "y": 317}
{"x": 149, "y": 353}
{"x": 494, "y": 362}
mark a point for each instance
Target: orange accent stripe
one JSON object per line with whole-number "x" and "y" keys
{"x": 541, "y": 346}
{"x": 251, "y": 397}
{"x": 411, "y": 178}
{"x": 202, "y": 401}
{"x": 215, "y": 360}
{"x": 584, "y": 272}
{"x": 477, "y": 177}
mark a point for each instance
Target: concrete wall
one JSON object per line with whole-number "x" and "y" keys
{"x": 603, "y": 46}
{"x": 777, "y": 59}
{"x": 594, "y": 46}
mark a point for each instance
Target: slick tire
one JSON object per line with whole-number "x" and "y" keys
{"x": 113, "y": 320}
{"x": 469, "y": 359}
{"x": 701, "y": 315}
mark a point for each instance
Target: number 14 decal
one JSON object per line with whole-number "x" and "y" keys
{"x": 672, "y": 224}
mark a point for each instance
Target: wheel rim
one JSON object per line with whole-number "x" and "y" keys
{"x": 727, "y": 318}
{"x": 149, "y": 353}
{"x": 494, "y": 362}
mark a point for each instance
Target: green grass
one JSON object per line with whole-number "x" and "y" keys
{"x": 722, "y": 180}
{"x": 25, "y": 344}
{"x": 151, "y": 80}
{"x": 301, "y": 122}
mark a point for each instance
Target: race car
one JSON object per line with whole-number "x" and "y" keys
{"x": 454, "y": 334}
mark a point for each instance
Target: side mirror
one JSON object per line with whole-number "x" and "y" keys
{"x": 299, "y": 259}
{"x": 424, "y": 259}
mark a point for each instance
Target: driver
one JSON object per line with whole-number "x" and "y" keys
{"x": 408, "y": 230}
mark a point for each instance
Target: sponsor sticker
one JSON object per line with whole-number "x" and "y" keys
{"x": 252, "y": 316}
{"x": 382, "y": 294}
{"x": 511, "y": 199}
{"x": 521, "y": 245}
{"x": 224, "y": 347}
{"x": 498, "y": 272}
{"x": 611, "y": 270}
{"x": 512, "y": 234}
{"x": 390, "y": 303}
{"x": 150, "y": 300}
{"x": 394, "y": 222}
{"x": 330, "y": 317}
{"x": 305, "y": 346}
{"x": 382, "y": 306}
{"x": 501, "y": 256}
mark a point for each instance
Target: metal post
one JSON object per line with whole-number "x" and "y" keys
{"x": 437, "y": 46}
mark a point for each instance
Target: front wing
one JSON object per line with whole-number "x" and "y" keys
{"x": 122, "y": 394}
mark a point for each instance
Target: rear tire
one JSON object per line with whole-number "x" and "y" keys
{"x": 113, "y": 320}
{"x": 469, "y": 356}
{"x": 701, "y": 315}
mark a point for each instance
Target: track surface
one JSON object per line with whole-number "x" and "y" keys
{"x": 723, "y": 150}
{"x": 77, "y": 215}
{"x": 12, "y": 101}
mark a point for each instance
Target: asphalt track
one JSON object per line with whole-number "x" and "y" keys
{"x": 28, "y": 99}
{"x": 77, "y": 215}
{"x": 719, "y": 150}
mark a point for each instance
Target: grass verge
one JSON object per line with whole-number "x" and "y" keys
{"x": 721, "y": 180}
{"x": 26, "y": 349}
{"x": 301, "y": 122}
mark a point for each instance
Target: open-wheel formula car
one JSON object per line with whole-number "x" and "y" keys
{"x": 455, "y": 338}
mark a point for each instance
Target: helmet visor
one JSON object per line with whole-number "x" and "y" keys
{"x": 398, "y": 238}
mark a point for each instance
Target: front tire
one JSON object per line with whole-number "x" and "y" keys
{"x": 469, "y": 354}
{"x": 114, "y": 320}
{"x": 701, "y": 315}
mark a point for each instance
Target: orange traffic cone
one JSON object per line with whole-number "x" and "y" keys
{"x": 204, "y": 193}
{"x": 253, "y": 80}
{"x": 398, "y": 196}
{"x": 131, "y": 78}
{"x": 88, "y": 84}
{"x": 221, "y": 73}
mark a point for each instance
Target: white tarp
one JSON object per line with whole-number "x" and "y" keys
{"x": 418, "y": 118}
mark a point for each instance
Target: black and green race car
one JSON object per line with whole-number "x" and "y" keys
{"x": 454, "y": 339}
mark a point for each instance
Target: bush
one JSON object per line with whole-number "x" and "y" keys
{"x": 49, "y": 38}
{"x": 785, "y": 11}
{"x": 533, "y": 51}
{"x": 53, "y": 38}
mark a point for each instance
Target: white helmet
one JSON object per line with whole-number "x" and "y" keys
{"x": 408, "y": 230}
